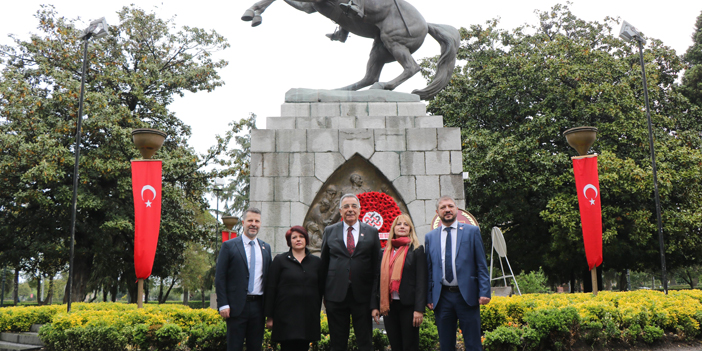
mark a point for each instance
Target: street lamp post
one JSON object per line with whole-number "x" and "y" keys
{"x": 218, "y": 188}
{"x": 97, "y": 29}
{"x": 628, "y": 32}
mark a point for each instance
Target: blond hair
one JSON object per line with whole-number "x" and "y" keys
{"x": 414, "y": 240}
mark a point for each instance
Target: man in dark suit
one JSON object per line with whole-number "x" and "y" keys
{"x": 458, "y": 277}
{"x": 240, "y": 279}
{"x": 350, "y": 267}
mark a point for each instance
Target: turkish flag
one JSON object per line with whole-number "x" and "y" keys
{"x": 226, "y": 235}
{"x": 146, "y": 186}
{"x": 588, "y": 184}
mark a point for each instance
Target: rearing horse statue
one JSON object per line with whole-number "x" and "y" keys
{"x": 397, "y": 30}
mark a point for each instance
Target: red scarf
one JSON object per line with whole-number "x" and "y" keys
{"x": 391, "y": 273}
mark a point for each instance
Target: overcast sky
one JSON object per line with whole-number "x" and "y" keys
{"x": 289, "y": 49}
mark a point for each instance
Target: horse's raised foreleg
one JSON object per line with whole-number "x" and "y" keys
{"x": 254, "y": 12}
{"x": 379, "y": 56}
{"x": 403, "y": 56}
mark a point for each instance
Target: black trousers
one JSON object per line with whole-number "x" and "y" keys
{"x": 338, "y": 314}
{"x": 249, "y": 326}
{"x": 294, "y": 345}
{"x": 398, "y": 324}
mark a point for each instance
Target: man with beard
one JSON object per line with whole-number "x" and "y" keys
{"x": 350, "y": 269}
{"x": 240, "y": 277}
{"x": 458, "y": 277}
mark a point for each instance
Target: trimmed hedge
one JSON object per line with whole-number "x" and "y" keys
{"x": 557, "y": 321}
{"x": 528, "y": 322}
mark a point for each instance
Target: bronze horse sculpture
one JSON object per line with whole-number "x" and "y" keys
{"x": 397, "y": 30}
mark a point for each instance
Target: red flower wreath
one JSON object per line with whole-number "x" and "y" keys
{"x": 373, "y": 204}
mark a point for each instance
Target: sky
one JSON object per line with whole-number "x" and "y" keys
{"x": 289, "y": 49}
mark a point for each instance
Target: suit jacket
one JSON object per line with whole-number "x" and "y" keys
{"x": 232, "y": 274}
{"x": 471, "y": 266}
{"x": 364, "y": 265}
{"x": 413, "y": 287}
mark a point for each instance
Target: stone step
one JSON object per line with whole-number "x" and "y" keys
{"x": 27, "y": 338}
{"x": 35, "y": 328}
{"x": 11, "y": 346}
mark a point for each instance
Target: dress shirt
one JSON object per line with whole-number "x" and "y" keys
{"x": 258, "y": 279}
{"x": 454, "y": 241}
{"x": 356, "y": 228}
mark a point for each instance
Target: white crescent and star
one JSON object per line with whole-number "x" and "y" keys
{"x": 148, "y": 187}
{"x": 590, "y": 186}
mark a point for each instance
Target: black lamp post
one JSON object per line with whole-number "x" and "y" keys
{"x": 218, "y": 184}
{"x": 628, "y": 32}
{"x": 97, "y": 29}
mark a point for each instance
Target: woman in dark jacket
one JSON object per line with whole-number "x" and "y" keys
{"x": 403, "y": 285}
{"x": 293, "y": 294}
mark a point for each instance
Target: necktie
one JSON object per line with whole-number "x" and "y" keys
{"x": 448, "y": 261}
{"x": 252, "y": 266}
{"x": 350, "y": 244}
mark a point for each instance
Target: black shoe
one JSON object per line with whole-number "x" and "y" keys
{"x": 339, "y": 35}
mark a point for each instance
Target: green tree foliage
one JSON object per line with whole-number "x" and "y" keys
{"x": 238, "y": 167}
{"x": 692, "y": 79}
{"x": 133, "y": 76}
{"x": 520, "y": 90}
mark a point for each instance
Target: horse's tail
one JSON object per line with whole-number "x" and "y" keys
{"x": 449, "y": 39}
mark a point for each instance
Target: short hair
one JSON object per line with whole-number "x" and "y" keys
{"x": 300, "y": 229}
{"x": 349, "y": 195}
{"x": 252, "y": 210}
{"x": 446, "y": 197}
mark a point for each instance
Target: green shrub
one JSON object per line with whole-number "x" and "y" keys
{"x": 592, "y": 332}
{"x": 380, "y": 340}
{"x": 552, "y": 328}
{"x": 205, "y": 337}
{"x": 428, "y": 334}
{"x": 503, "y": 339}
{"x": 652, "y": 334}
{"x": 532, "y": 282}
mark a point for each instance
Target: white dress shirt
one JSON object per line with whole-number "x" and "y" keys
{"x": 454, "y": 240}
{"x": 258, "y": 272}
{"x": 258, "y": 280}
{"x": 356, "y": 229}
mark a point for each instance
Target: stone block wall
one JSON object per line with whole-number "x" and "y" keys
{"x": 294, "y": 156}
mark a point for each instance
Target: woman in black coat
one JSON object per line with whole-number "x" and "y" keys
{"x": 293, "y": 294}
{"x": 403, "y": 285}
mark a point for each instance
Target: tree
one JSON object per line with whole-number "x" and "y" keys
{"x": 133, "y": 76}
{"x": 516, "y": 95}
{"x": 692, "y": 79}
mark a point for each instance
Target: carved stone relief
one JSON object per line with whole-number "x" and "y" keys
{"x": 356, "y": 176}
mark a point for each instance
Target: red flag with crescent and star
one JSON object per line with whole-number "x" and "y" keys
{"x": 146, "y": 187}
{"x": 588, "y": 184}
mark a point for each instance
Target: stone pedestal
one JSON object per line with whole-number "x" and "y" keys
{"x": 316, "y": 134}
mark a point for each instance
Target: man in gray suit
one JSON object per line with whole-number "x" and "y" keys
{"x": 350, "y": 267}
{"x": 240, "y": 278}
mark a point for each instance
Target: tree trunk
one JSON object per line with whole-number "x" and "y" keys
{"x": 186, "y": 296}
{"x": 15, "y": 290}
{"x": 572, "y": 282}
{"x": 39, "y": 303}
{"x": 168, "y": 292}
{"x": 50, "y": 294}
{"x": 160, "y": 292}
{"x": 82, "y": 266}
{"x": 114, "y": 290}
{"x": 147, "y": 284}
{"x": 202, "y": 294}
{"x": 622, "y": 281}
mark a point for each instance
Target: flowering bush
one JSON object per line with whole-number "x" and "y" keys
{"x": 382, "y": 204}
